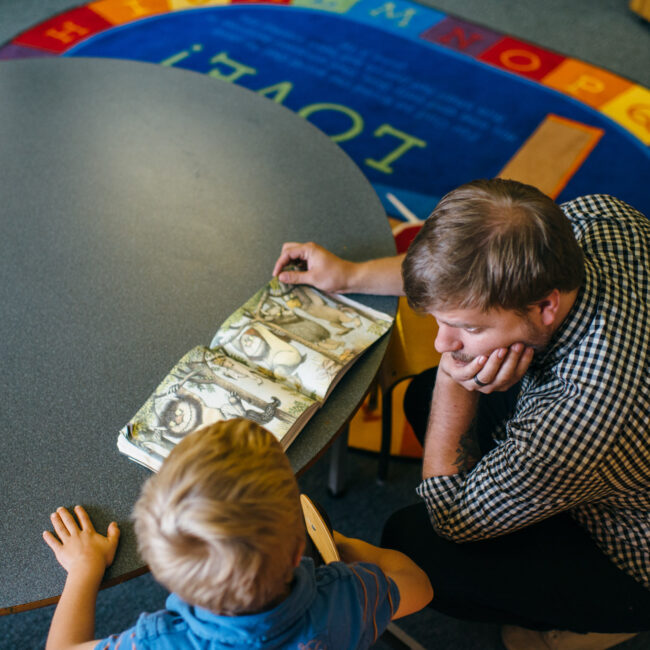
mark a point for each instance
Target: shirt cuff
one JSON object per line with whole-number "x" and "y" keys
{"x": 439, "y": 494}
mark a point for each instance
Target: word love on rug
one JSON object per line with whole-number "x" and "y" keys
{"x": 421, "y": 100}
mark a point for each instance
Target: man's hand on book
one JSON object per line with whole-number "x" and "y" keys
{"x": 327, "y": 272}
{"x": 321, "y": 269}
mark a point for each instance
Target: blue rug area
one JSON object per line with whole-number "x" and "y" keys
{"x": 420, "y": 100}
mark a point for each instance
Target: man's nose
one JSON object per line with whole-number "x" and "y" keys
{"x": 447, "y": 339}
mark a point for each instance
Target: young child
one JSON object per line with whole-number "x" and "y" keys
{"x": 221, "y": 527}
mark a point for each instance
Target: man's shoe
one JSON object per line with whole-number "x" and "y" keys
{"x": 519, "y": 638}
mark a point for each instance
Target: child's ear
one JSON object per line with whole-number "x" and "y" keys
{"x": 299, "y": 553}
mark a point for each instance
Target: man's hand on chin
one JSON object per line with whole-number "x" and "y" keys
{"x": 498, "y": 371}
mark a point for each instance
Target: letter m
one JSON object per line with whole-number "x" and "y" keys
{"x": 404, "y": 17}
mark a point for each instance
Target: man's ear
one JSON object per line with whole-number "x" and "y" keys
{"x": 547, "y": 308}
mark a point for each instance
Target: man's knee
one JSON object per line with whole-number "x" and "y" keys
{"x": 409, "y": 531}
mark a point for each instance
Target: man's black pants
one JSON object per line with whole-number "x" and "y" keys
{"x": 550, "y": 575}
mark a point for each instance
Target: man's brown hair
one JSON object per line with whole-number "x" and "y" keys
{"x": 492, "y": 244}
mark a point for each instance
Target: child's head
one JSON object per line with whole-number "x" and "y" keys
{"x": 221, "y": 523}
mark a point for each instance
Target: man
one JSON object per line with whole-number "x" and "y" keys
{"x": 536, "y": 425}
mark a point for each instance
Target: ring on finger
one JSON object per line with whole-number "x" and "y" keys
{"x": 479, "y": 382}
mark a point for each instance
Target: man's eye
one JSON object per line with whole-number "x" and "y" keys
{"x": 473, "y": 330}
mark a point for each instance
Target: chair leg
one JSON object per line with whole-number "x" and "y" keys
{"x": 395, "y": 638}
{"x": 373, "y": 395}
{"x": 338, "y": 462}
{"x": 386, "y": 434}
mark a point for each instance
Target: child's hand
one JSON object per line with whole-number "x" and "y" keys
{"x": 81, "y": 549}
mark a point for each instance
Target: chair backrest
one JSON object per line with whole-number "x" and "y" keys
{"x": 319, "y": 531}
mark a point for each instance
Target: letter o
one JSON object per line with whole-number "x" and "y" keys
{"x": 352, "y": 132}
{"x": 534, "y": 62}
{"x": 640, "y": 114}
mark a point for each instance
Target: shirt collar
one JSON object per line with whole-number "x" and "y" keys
{"x": 240, "y": 631}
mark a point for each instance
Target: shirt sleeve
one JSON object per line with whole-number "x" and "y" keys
{"x": 124, "y": 641}
{"x": 556, "y": 448}
{"x": 507, "y": 490}
{"x": 374, "y": 601}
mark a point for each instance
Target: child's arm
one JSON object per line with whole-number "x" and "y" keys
{"x": 84, "y": 554}
{"x": 414, "y": 587}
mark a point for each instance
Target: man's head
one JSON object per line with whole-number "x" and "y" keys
{"x": 492, "y": 244}
{"x": 221, "y": 523}
{"x": 493, "y": 254}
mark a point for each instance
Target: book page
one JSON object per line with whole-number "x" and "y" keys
{"x": 206, "y": 386}
{"x": 299, "y": 335}
{"x": 272, "y": 362}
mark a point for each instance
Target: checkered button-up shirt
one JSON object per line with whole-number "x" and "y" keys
{"x": 579, "y": 439}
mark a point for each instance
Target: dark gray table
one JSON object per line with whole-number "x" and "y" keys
{"x": 139, "y": 207}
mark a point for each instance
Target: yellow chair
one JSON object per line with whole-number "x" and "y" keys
{"x": 410, "y": 351}
{"x": 641, "y": 7}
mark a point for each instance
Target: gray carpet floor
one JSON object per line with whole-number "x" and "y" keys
{"x": 601, "y": 32}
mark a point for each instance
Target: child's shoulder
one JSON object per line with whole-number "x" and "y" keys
{"x": 160, "y": 629}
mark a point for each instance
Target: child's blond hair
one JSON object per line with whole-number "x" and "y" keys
{"x": 221, "y": 524}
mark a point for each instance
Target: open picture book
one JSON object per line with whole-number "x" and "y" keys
{"x": 274, "y": 361}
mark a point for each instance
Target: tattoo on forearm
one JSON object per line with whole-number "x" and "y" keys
{"x": 468, "y": 451}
